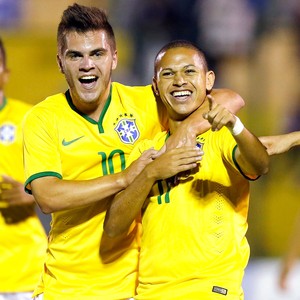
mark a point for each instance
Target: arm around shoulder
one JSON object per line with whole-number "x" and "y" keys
{"x": 229, "y": 99}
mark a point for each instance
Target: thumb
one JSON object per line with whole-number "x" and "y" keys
{"x": 211, "y": 102}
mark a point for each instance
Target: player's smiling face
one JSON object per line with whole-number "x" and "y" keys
{"x": 182, "y": 81}
{"x": 87, "y": 63}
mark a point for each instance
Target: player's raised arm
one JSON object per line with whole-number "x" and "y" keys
{"x": 251, "y": 154}
{"x": 195, "y": 124}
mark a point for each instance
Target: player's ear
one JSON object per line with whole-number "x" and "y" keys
{"x": 115, "y": 60}
{"x": 210, "y": 80}
{"x": 154, "y": 86}
{"x": 59, "y": 63}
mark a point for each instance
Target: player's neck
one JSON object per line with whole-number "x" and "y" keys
{"x": 173, "y": 125}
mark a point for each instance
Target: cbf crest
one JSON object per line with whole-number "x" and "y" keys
{"x": 200, "y": 142}
{"x": 7, "y": 133}
{"x": 127, "y": 130}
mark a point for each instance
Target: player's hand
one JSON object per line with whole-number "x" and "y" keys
{"x": 138, "y": 165}
{"x": 218, "y": 116}
{"x": 175, "y": 161}
{"x": 275, "y": 144}
{"x": 12, "y": 192}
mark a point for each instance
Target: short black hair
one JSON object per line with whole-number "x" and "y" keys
{"x": 180, "y": 44}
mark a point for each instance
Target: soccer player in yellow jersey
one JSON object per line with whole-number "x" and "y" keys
{"x": 193, "y": 243}
{"x": 22, "y": 236}
{"x": 76, "y": 146}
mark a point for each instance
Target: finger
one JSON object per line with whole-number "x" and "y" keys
{"x": 190, "y": 156}
{"x": 211, "y": 102}
{"x": 220, "y": 120}
{"x": 7, "y": 179}
{"x": 187, "y": 150}
{"x": 160, "y": 152}
{"x": 211, "y": 105}
{"x": 149, "y": 152}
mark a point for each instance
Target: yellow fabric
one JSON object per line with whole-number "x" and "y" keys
{"x": 82, "y": 263}
{"x": 194, "y": 233}
{"x": 22, "y": 237}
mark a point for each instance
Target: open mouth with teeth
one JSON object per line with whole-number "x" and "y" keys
{"x": 179, "y": 94}
{"x": 88, "y": 79}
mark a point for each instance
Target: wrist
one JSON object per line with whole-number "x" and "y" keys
{"x": 150, "y": 172}
{"x": 121, "y": 180}
{"x": 238, "y": 127}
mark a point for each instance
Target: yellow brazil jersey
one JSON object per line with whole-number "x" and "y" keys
{"x": 22, "y": 236}
{"x": 193, "y": 244}
{"x": 59, "y": 141}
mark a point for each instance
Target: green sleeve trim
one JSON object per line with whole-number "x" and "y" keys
{"x": 39, "y": 175}
{"x": 239, "y": 168}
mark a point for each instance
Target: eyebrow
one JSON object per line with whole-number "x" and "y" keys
{"x": 185, "y": 67}
{"x": 68, "y": 52}
{"x": 91, "y": 52}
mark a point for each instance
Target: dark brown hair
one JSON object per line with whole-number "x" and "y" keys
{"x": 81, "y": 19}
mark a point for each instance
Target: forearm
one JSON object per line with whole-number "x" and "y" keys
{"x": 293, "y": 139}
{"x": 251, "y": 155}
{"x": 126, "y": 205}
{"x": 53, "y": 194}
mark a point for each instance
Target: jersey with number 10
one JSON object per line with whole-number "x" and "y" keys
{"x": 82, "y": 263}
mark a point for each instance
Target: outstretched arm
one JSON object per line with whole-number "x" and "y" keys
{"x": 128, "y": 203}
{"x": 251, "y": 155}
{"x": 195, "y": 124}
{"x": 278, "y": 144}
{"x": 54, "y": 194}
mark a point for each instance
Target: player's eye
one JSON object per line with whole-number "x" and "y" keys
{"x": 98, "y": 53}
{"x": 167, "y": 73}
{"x": 190, "y": 71}
{"x": 74, "y": 55}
